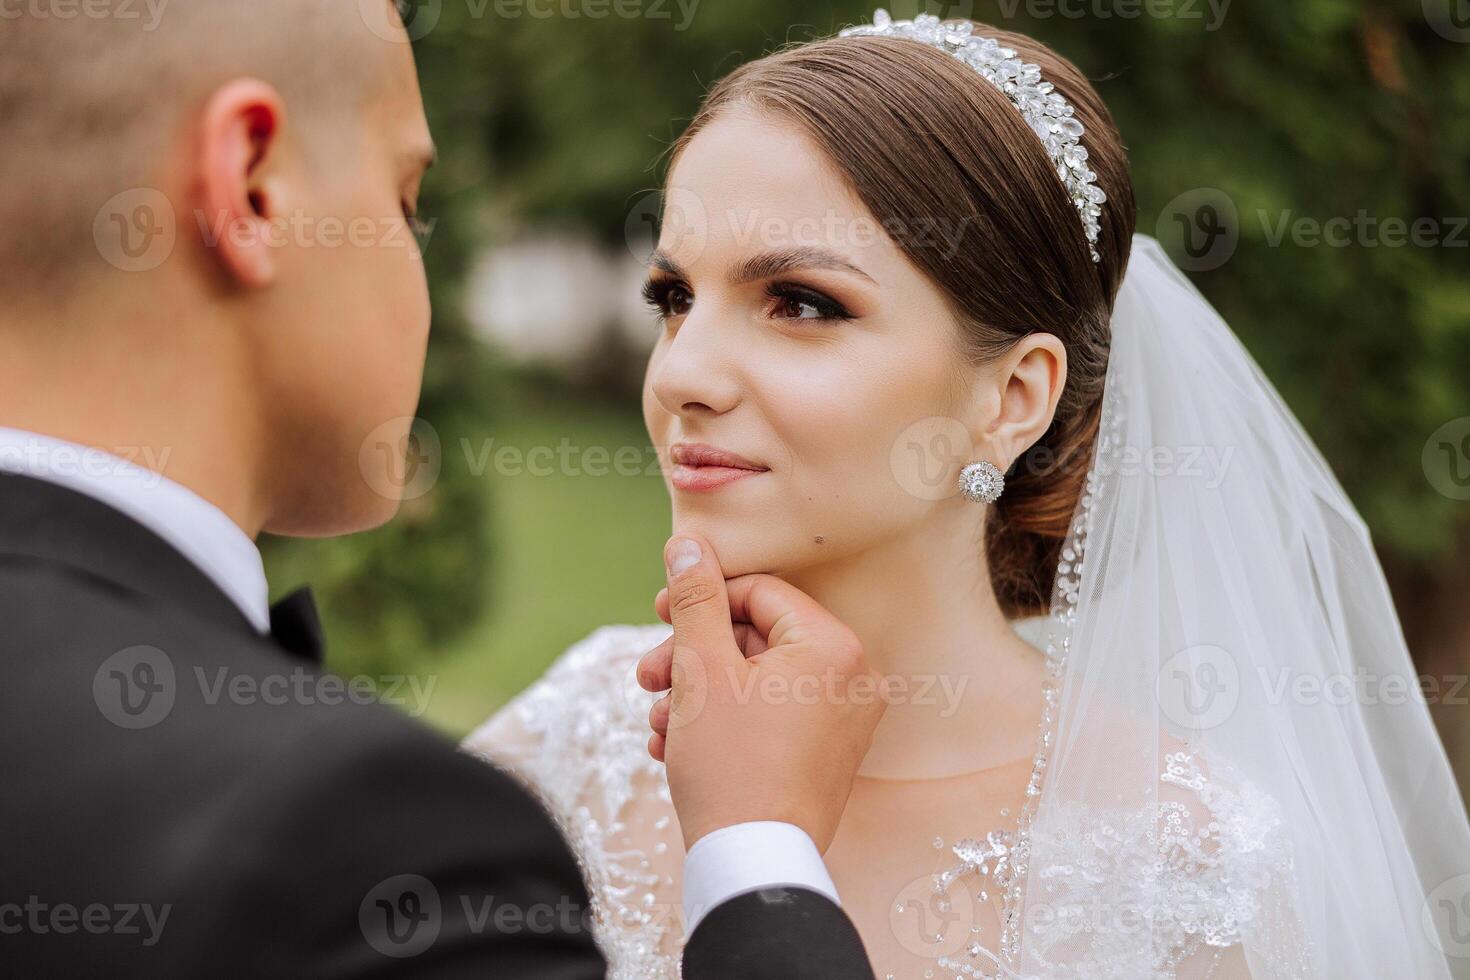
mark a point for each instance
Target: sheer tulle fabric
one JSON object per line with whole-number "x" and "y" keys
{"x": 1237, "y": 696}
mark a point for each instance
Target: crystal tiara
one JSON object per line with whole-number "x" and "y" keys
{"x": 1049, "y": 115}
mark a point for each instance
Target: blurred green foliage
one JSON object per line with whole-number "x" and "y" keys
{"x": 1313, "y": 109}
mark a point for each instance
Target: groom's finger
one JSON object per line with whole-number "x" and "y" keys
{"x": 751, "y": 642}
{"x": 656, "y": 667}
{"x": 697, "y": 602}
{"x": 779, "y": 611}
{"x": 658, "y": 715}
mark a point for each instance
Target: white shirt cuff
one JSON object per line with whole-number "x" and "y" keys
{"x": 748, "y": 857}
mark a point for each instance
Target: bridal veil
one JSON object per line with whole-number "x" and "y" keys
{"x": 1231, "y": 672}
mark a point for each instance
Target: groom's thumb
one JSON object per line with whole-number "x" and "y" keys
{"x": 699, "y": 606}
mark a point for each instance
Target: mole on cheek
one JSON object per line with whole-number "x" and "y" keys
{"x": 819, "y": 539}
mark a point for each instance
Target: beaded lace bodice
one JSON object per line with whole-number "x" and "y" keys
{"x": 578, "y": 739}
{"x": 1205, "y": 865}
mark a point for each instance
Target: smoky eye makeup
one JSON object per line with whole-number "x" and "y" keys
{"x": 793, "y": 301}
{"x": 783, "y": 299}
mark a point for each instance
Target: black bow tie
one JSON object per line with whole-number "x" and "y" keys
{"x": 296, "y": 626}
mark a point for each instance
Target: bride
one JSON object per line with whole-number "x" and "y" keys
{"x": 914, "y": 361}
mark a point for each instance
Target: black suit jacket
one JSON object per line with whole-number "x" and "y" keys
{"x": 183, "y": 798}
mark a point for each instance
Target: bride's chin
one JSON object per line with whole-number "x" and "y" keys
{"x": 739, "y": 551}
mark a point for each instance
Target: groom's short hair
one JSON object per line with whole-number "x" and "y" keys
{"x": 92, "y": 93}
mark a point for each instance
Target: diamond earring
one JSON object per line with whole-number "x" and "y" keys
{"x": 982, "y": 482}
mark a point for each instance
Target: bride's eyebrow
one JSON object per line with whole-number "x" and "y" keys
{"x": 663, "y": 263}
{"x": 776, "y": 263}
{"x": 769, "y": 265}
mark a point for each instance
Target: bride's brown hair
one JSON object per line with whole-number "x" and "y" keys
{"x": 929, "y": 145}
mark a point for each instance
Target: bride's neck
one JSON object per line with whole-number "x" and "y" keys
{"x": 964, "y": 688}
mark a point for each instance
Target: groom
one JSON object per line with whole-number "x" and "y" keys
{"x": 202, "y": 232}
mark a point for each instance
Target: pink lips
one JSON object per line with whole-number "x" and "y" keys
{"x": 700, "y": 469}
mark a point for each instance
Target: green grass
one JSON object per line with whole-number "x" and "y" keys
{"x": 573, "y": 551}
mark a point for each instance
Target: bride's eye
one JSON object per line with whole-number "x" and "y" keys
{"x": 668, "y": 298}
{"x": 791, "y": 302}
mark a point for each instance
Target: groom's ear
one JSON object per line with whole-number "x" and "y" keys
{"x": 242, "y": 127}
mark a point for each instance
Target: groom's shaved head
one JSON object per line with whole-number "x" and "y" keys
{"x": 90, "y": 105}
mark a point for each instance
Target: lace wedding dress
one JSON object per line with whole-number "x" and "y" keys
{"x": 1198, "y": 807}
{"x": 1205, "y": 861}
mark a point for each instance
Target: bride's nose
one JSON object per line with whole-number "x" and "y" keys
{"x": 696, "y": 372}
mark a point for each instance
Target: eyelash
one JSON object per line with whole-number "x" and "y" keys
{"x": 658, "y": 293}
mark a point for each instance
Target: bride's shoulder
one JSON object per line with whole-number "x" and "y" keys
{"x": 1218, "y": 819}
{"x": 1204, "y": 850}
{"x": 1229, "y": 862}
{"x": 1211, "y": 818}
{"x": 1204, "y": 810}
{"x": 585, "y": 719}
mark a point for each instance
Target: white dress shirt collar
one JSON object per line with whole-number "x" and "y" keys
{"x": 194, "y": 527}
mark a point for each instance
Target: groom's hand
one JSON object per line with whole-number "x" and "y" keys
{"x": 772, "y": 707}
